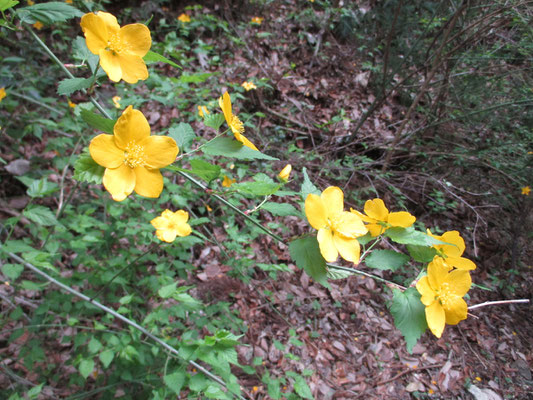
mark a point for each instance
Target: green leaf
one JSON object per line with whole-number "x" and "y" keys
{"x": 70, "y": 85}
{"x": 35, "y": 391}
{"x": 167, "y": 291}
{"x": 410, "y": 236}
{"x": 301, "y": 387}
{"x": 94, "y": 345}
{"x": 306, "y": 254}
{"x": 204, "y": 170}
{"x": 5, "y": 4}
{"x": 386, "y": 259}
{"x": 98, "y": 122}
{"x": 86, "y": 367}
{"x": 280, "y": 209}
{"x": 214, "y": 121}
{"x": 175, "y": 381}
{"x": 423, "y": 254}
{"x": 12, "y": 271}
{"x": 40, "y": 215}
{"x": 335, "y": 274}
{"x": 409, "y": 315}
{"x": 41, "y": 188}
{"x": 307, "y": 186}
{"x": 86, "y": 169}
{"x": 227, "y": 147}
{"x": 48, "y": 13}
{"x": 106, "y": 357}
{"x": 256, "y": 188}
{"x": 183, "y": 134}
{"x": 153, "y": 57}
{"x": 194, "y": 78}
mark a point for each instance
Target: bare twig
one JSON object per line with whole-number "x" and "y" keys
{"x": 497, "y": 303}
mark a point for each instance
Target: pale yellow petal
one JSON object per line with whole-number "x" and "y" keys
{"x": 149, "y": 183}
{"x": 110, "y": 21}
{"x": 437, "y": 273}
{"x": 95, "y": 31}
{"x": 159, "y": 151}
{"x": 457, "y": 244}
{"x": 133, "y": 68}
{"x": 315, "y": 211}
{"x": 327, "y": 246}
{"x": 436, "y": 318}
{"x": 456, "y": 310}
{"x": 333, "y": 199}
{"x": 167, "y": 214}
{"x": 348, "y": 248}
{"x": 131, "y": 126}
{"x": 104, "y": 152}
{"x": 459, "y": 282}
{"x": 349, "y": 225}
{"x": 401, "y": 219}
{"x": 166, "y": 235}
{"x": 110, "y": 63}
{"x": 461, "y": 263}
{"x": 181, "y": 216}
{"x": 119, "y": 182}
{"x": 137, "y": 39}
{"x": 425, "y": 290}
{"x": 376, "y": 209}
{"x": 183, "y": 229}
{"x": 159, "y": 222}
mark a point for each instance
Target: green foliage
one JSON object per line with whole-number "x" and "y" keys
{"x": 48, "y": 13}
{"x": 152, "y": 57}
{"x": 227, "y": 147}
{"x": 98, "y": 122}
{"x": 386, "y": 260}
{"x": 409, "y": 315}
{"x": 68, "y": 86}
{"x": 306, "y": 254}
{"x": 86, "y": 169}
{"x": 183, "y": 134}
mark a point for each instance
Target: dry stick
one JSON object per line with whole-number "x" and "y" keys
{"x": 411, "y": 370}
{"x": 497, "y": 303}
{"x": 422, "y": 91}
{"x": 119, "y": 316}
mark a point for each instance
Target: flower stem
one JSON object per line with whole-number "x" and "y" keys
{"x": 497, "y": 303}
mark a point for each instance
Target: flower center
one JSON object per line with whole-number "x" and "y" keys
{"x": 445, "y": 295}
{"x": 236, "y": 125}
{"x": 134, "y": 155}
{"x": 116, "y": 45}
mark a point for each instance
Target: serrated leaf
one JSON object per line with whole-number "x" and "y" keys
{"x": 409, "y": 315}
{"x": 98, "y": 122}
{"x": 86, "y": 367}
{"x": 183, "y": 134}
{"x": 86, "y": 169}
{"x": 410, "y": 236}
{"x": 12, "y": 271}
{"x": 167, "y": 291}
{"x": 48, "y": 13}
{"x": 386, "y": 260}
{"x": 256, "y": 188}
{"x": 204, "y": 170}
{"x": 175, "y": 381}
{"x": 423, "y": 254}
{"x": 280, "y": 209}
{"x": 94, "y": 345}
{"x": 5, "y": 4}
{"x": 228, "y": 147}
{"x": 301, "y": 387}
{"x": 194, "y": 78}
{"x": 214, "y": 121}
{"x": 106, "y": 357}
{"x": 335, "y": 274}
{"x": 307, "y": 186}
{"x": 70, "y": 85}
{"x": 40, "y": 215}
{"x": 153, "y": 57}
{"x": 306, "y": 254}
{"x": 41, "y": 188}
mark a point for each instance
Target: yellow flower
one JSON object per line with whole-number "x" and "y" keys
{"x": 71, "y": 104}
{"x": 2, "y": 93}
{"x": 38, "y": 25}
{"x": 442, "y": 294}
{"x": 30, "y": 2}
{"x": 451, "y": 253}
{"x": 116, "y": 101}
{"x": 68, "y": 1}
{"x": 121, "y": 50}
{"x": 132, "y": 157}
{"x": 379, "y": 219}
{"x": 233, "y": 121}
{"x": 184, "y": 18}
{"x": 257, "y": 20}
{"x": 171, "y": 224}
{"x": 285, "y": 172}
{"x": 248, "y": 86}
{"x": 526, "y": 190}
{"x": 227, "y": 182}
{"x": 203, "y": 111}
{"x": 337, "y": 229}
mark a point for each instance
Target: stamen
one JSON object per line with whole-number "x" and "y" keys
{"x": 134, "y": 155}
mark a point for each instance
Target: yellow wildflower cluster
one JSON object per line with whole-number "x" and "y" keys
{"x": 248, "y": 86}
{"x": 171, "y": 224}
{"x": 184, "y": 18}
{"x": 2, "y": 93}
{"x": 257, "y": 20}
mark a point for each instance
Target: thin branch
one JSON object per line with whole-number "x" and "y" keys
{"x": 497, "y": 303}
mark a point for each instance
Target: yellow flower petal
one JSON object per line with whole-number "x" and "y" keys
{"x": 376, "y": 209}
{"x": 95, "y": 31}
{"x": 401, "y": 219}
{"x": 349, "y": 225}
{"x": 327, "y": 246}
{"x": 104, "y": 152}
{"x": 456, "y": 310}
{"x": 459, "y": 282}
{"x": 166, "y": 235}
{"x": 110, "y": 63}
{"x": 315, "y": 211}
{"x": 133, "y": 68}
{"x": 245, "y": 141}
{"x": 364, "y": 217}
{"x": 131, "y": 126}
{"x": 437, "y": 272}
{"x": 375, "y": 229}
{"x": 285, "y": 172}
{"x": 137, "y": 38}
{"x": 457, "y": 246}
{"x": 225, "y": 104}
{"x": 110, "y": 22}
{"x": 149, "y": 183}
{"x": 348, "y": 248}
{"x": 425, "y": 290}
{"x": 460, "y": 263}
{"x": 333, "y": 198}
{"x": 159, "y": 151}
{"x": 436, "y": 318}
{"x": 159, "y": 222}
{"x": 169, "y": 225}
{"x": 119, "y": 182}
{"x": 181, "y": 216}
